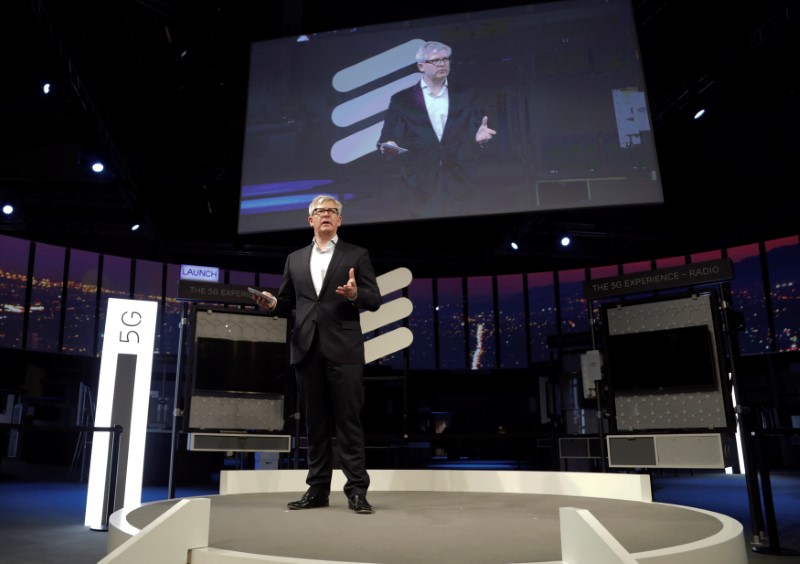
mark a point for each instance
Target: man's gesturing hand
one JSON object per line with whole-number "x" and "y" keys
{"x": 265, "y": 300}
{"x": 485, "y": 133}
{"x": 349, "y": 290}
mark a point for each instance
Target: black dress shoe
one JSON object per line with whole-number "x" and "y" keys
{"x": 309, "y": 501}
{"x": 359, "y": 504}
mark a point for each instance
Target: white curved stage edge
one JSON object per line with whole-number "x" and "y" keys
{"x": 181, "y": 533}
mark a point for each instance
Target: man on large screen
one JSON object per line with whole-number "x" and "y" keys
{"x": 436, "y": 131}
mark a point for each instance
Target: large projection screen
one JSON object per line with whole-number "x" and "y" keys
{"x": 561, "y": 84}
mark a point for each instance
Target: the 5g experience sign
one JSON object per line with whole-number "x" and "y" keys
{"x": 123, "y": 399}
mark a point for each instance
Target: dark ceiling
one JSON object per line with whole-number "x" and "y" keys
{"x": 158, "y": 87}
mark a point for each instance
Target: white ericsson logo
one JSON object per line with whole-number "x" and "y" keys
{"x": 390, "y": 312}
{"x": 362, "y": 142}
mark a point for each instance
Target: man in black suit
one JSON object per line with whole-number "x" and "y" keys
{"x": 434, "y": 130}
{"x": 327, "y": 283}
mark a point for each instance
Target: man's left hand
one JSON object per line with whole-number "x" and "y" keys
{"x": 349, "y": 290}
{"x": 485, "y": 133}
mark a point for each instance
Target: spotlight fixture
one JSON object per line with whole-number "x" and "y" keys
{"x": 8, "y": 209}
{"x": 46, "y": 88}
{"x": 514, "y": 246}
{"x": 135, "y": 227}
{"x": 98, "y": 167}
{"x": 565, "y": 241}
{"x": 699, "y": 114}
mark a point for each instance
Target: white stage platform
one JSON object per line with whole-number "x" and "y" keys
{"x": 428, "y": 516}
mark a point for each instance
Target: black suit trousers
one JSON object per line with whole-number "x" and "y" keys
{"x": 333, "y": 397}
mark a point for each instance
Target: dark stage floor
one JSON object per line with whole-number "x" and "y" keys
{"x": 433, "y": 527}
{"x": 41, "y": 516}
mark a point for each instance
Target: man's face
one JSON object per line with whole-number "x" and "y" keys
{"x": 434, "y": 71}
{"x": 325, "y": 223}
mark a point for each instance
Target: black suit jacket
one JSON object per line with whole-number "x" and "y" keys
{"x": 334, "y": 317}
{"x": 430, "y": 162}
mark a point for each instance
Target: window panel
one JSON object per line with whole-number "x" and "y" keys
{"x": 574, "y": 317}
{"x": 634, "y": 267}
{"x": 452, "y": 346}
{"x": 422, "y": 352}
{"x": 542, "y": 313}
{"x": 480, "y": 323}
{"x": 47, "y": 286}
{"x": 173, "y": 309}
{"x": 270, "y": 281}
{"x": 598, "y": 273}
{"x": 670, "y": 262}
{"x": 238, "y": 278}
{"x": 148, "y": 285}
{"x": 81, "y": 303}
{"x": 749, "y": 299}
{"x": 511, "y": 315}
{"x": 783, "y": 264}
{"x": 14, "y": 254}
{"x": 706, "y": 256}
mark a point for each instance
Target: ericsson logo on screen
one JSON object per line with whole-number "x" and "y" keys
{"x": 362, "y": 107}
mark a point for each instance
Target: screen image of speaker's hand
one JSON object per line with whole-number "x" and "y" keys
{"x": 485, "y": 133}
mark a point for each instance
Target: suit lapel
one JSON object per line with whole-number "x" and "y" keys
{"x": 306, "y": 278}
{"x": 419, "y": 104}
{"x": 453, "y": 110}
{"x": 419, "y": 99}
{"x": 336, "y": 259}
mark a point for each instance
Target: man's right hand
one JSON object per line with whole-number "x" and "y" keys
{"x": 388, "y": 148}
{"x": 265, "y": 300}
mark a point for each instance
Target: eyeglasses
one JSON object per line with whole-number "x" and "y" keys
{"x": 320, "y": 211}
{"x": 438, "y": 62}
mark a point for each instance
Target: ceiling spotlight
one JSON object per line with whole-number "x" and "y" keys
{"x": 514, "y": 246}
{"x": 565, "y": 241}
{"x": 135, "y": 227}
{"x": 699, "y": 114}
{"x": 8, "y": 209}
{"x": 46, "y": 88}
{"x": 98, "y": 167}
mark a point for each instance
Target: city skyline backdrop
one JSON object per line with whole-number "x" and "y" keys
{"x": 54, "y": 300}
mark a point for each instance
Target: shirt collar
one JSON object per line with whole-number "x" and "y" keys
{"x": 332, "y": 241}
{"x": 426, "y": 88}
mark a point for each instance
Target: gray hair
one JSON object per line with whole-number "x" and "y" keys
{"x": 317, "y": 201}
{"x": 429, "y": 48}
